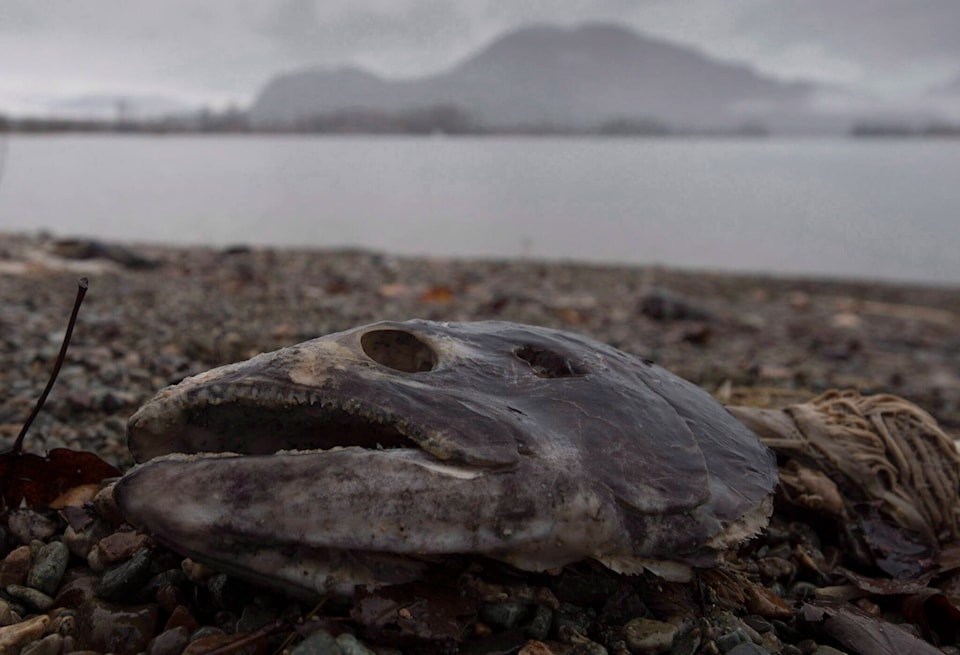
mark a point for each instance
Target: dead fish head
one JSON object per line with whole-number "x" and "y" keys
{"x": 355, "y": 457}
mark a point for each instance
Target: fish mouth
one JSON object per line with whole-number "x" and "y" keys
{"x": 260, "y": 418}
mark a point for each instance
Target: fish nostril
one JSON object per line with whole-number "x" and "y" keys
{"x": 398, "y": 350}
{"x": 547, "y": 363}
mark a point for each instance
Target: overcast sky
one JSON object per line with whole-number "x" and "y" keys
{"x": 222, "y": 51}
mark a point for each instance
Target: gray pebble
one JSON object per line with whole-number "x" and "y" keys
{"x": 48, "y": 567}
{"x": 319, "y": 643}
{"x": 727, "y": 642}
{"x": 349, "y": 645}
{"x": 33, "y": 598}
{"x": 540, "y": 622}
{"x": 504, "y": 615}
{"x": 748, "y": 649}
{"x": 26, "y": 525}
{"x": 648, "y": 636}
{"x": 125, "y": 581}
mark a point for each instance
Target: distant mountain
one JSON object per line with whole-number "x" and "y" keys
{"x": 565, "y": 77}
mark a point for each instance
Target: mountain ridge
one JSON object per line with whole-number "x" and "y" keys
{"x": 581, "y": 76}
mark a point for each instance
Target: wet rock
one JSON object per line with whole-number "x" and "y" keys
{"x": 319, "y": 643}
{"x": 119, "y": 546}
{"x": 48, "y": 567}
{"x": 31, "y": 597}
{"x": 14, "y": 637}
{"x": 663, "y": 305}
{"x": 350, "y": 645}
{"x": 49, "y": 645}
{"x": 747, "y": 649}
{"x": 81, "y": 541}
{"x": 124, "y": 581}
{"x": 539, "y": 626}
{"x": 111, "y": 628}
{"x": 503, "y": 615}
{"x": 106, "y": 506}
{"x": 648, "y": 636}
{"x": 27, "y": 524}
{"x": 15, "y": 566}
{"x": 7, "y": 615}
{"x": 169, "y": 642}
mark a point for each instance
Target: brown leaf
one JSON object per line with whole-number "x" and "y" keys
{"x": 934, "y": 613}
{"x": 413, "y": 613}
{"x": 862, "y": 633}
{"x": 441, "y": 294}
{"x": 39, "y": 480}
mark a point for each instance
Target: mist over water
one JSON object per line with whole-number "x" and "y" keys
{"x": 826, "y": 207}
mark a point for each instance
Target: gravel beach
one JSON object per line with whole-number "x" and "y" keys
{"x": 154, "y": 315}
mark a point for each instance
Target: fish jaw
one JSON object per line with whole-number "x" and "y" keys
{"x": 356, "y": 516}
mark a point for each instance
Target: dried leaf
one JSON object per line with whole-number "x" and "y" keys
{"x": 39, "y": 480}
{"x": 885, "y": 586}
{"x": 935, "y": 614}
{"x": 862, "y": 633}
{"x": 413, "y": 613}
{"x": 440, "y": 294}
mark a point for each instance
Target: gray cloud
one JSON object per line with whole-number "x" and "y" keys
{"x": 226, "y": 49}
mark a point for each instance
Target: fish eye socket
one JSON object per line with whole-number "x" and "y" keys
{"x": 547, "y": 363}
{"x": 398, "y": 350}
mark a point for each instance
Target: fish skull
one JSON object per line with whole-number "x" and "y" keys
{"x": 358, "y": 457}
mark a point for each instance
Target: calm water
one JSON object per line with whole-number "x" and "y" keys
{"x": 886, "y": 209}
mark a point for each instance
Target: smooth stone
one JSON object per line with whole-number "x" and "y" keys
{"x": 15, "y": 566}
{"x": 350, "y": 645}
{"x": 120, "y": 546}
{"x": 35, "y": 599}
{"x": 169, "y": 642}
{"x": 14, "y": 637}
{"x": 504, "y": 615}
{"x": 539, "y": 626}
{"x": 748, "y": 649}
{"x": 49, "y": 645}
{"x": 26, "y": 525}
{"x": 730, "y": 640}
{"x": 648, "y": 636}
{"x": 7, "y": 615}
{"x": 319, "y": 643}
{"x": 125, "y": 581}
{"x": 111, "y": 628}
{"x": 48, "y": 567}
{"x": 80, "y": 542}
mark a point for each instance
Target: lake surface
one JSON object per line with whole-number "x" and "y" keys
{"x": 827, "y": 207}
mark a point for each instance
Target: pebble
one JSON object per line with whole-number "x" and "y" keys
{"x": 15, "y": 566}
{"x": 648, "y": 636}
{"x": 319, "y": 643}
{"x": 350, "y": 645}
{"x": 49, "y": 645}
{"x": 79, "y": 542}
{"x": 169, "y": 642}
{"x": 120, "y": 546}
{"x": 728, "y": 641}
{"x": 505, "y": 615}
{"x": 26, "y": 525}
{"x": 112, "y": 628}
{"x": 14, "y": 637}
{"x": 48, "y": 567}
{"x": 747, "y": 649}
{"x": 539, "y": 626}
{"x": 125, "y": 581}
{"x": 33, "y": 598}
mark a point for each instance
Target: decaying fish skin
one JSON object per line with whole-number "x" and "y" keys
{"x": 882, "y": 450}
{"x": 355, "y": 457}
